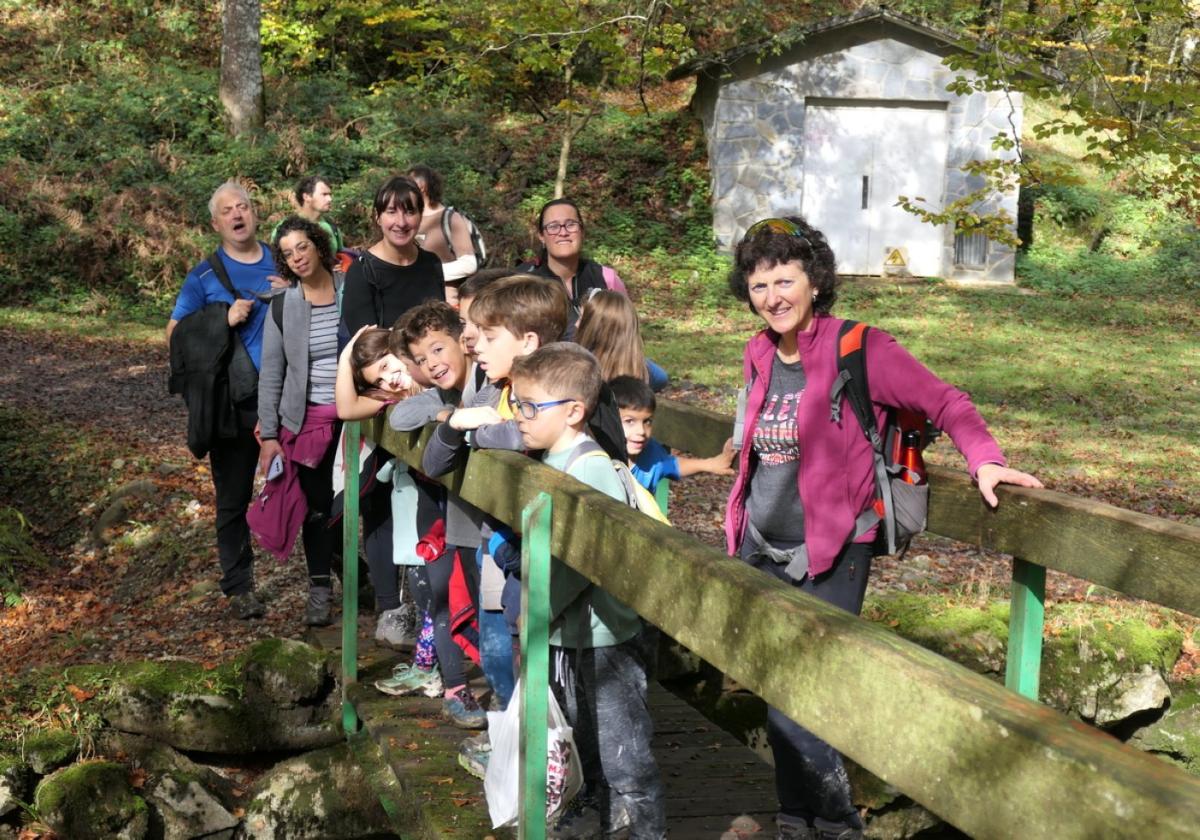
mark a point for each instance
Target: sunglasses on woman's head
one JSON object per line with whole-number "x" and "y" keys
{"x": 784, "y": 227}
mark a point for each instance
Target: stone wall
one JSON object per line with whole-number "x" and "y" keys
{"x": 755, "y": 127}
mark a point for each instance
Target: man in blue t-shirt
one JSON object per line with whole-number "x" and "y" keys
{"x": 233, "y": 460}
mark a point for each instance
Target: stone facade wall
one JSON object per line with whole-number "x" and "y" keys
{"x": 755, "y": 129}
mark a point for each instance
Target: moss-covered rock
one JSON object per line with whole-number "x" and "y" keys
{"x": 1176, "y": 735}
{"x": 287, "y": 672}
{"x": 1106, "y": 665}
{"x": 49, "y": 749}
{"x": 16, "y": 779}
{"x": 965, "y": 632}
{"x": 92, "y": 799}
{"x": 322, "y": 794}
{"x": 222, "y": 710}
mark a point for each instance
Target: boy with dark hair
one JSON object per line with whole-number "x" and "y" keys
{"x": 650, "y": 461}
{"x": 601, "y": 676}
{"x": 429, "y": 334}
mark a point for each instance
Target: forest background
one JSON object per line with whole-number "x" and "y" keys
{"x": 114, "y": 134}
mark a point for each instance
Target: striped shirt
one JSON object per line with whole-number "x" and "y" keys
{"x": 322, "y": 354}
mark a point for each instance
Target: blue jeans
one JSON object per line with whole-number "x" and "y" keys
{"x": 495, "y": 648}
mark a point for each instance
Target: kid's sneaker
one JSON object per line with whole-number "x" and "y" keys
{"x": 407, "y": 680}
{"x": 464, "y": 711}
{"x": 473, "y": 754}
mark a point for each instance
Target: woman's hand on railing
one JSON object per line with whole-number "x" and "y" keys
{"x": 990, "y": 475}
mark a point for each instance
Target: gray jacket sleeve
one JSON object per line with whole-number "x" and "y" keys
{"x": 416, "y": 411}
{"x": 504, "y": 435}
{"x": 270, "y": 379}
{"x": 442, "y": 452}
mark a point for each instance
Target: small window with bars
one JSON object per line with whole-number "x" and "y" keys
{"x": 970, "y": 250}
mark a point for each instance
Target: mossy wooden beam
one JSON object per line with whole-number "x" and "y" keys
{"x": 993, "y": 763}
{"x": 1133, "y": 553}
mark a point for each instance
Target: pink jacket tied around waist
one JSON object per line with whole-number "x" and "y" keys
{"x": 276, "y": 516}
{"x": 835, "y": 480}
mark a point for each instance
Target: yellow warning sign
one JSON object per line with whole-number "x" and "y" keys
{"x": 895, "y": 259}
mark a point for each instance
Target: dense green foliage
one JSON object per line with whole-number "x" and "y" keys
{"x": 115, "y": 140}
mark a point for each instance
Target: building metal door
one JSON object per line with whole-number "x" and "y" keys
{"x": 859, "y": 156}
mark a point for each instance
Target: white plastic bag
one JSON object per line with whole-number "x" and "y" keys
{"x": 501, "y": 783}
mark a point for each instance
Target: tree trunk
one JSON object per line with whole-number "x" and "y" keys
{"x": 241, "y": 66}
{"x": 564, "y": 150}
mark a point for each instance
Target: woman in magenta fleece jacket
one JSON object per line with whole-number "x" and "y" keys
{"x": 804, "y": 479}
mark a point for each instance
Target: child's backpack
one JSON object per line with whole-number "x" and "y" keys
{"x": 477, "y": 243}
{"x": 636, "y": 496}
{"x": 900, "y": 507}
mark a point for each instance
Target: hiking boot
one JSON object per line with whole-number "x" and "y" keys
{"x": 245, "y": 606}
{"x": 826, "y": 830}
{"x": 319, "y": 610}
{"x": 473, "y": 754}
{"x": 579, "y": 822}
{"x": 407, "y": 680}
{"x": 397, "y": 627}
{"x": 464, "y": 711}
{"x": 793, "y": 829}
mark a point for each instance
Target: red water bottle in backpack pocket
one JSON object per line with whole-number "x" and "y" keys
{"x": 910, "y": 457}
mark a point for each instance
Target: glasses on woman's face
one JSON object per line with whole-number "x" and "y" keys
{"x": 785, "y": 227}
{"x": 555, "y": 228}
{"x": 300, "y": 250}
{"x": 529, "y": 410}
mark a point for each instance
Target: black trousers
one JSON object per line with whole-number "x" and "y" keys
{"x": 233, "y": 461}
{"x": 322, "y": 544}
{"x": 810, "y": 779}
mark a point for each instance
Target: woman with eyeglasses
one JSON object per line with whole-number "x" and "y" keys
{"x": 799, "y": 508}
{"x": 296, "y": 413}
{"x": 560, "y": 230}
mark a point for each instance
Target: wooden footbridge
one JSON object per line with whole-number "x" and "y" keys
{"x": 987, "y": 759}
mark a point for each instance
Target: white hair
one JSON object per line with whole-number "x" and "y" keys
{"x": 229, "y": 186}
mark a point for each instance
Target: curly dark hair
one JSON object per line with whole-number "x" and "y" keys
{"x": 416, "y": 323}
{"x": 316, "y": 235}
{"x": 768, "y": 248}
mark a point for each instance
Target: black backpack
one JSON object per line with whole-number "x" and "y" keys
{"x": 899, "y": 508}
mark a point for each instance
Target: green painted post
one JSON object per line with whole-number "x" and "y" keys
{"x": 350, "y": 574}
{"x": 535, "y": 664}
{"x": 1026, "y": 616}
{"x": 662, "y": 495}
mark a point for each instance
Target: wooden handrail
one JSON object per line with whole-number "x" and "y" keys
{"x": 1133, "y": 553}
{"x": 991, "y": 762}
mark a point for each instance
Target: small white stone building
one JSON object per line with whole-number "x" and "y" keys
{"x": 842, "y": 122}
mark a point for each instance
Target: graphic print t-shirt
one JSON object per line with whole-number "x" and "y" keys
{"x": 774, "y": 503}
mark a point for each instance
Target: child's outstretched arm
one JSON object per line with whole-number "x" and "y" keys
{"x": 721, "y": 464}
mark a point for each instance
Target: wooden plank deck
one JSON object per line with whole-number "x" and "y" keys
{"x": 710, "y": 777}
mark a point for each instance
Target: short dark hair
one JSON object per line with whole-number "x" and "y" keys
{"x": 633, "y": 394}
{"x": 768, "y": 248}
{"x": 402, "y": 192}
{"x": 432, "y": 180}
{"x": 477, "y": 282}
{"x": 307, "y": 186}
{"x": 315, "y": 233}
{"x": 564, "y": 370}
{"x": 524, "y": 303}
{"x": 418, "y": 322}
